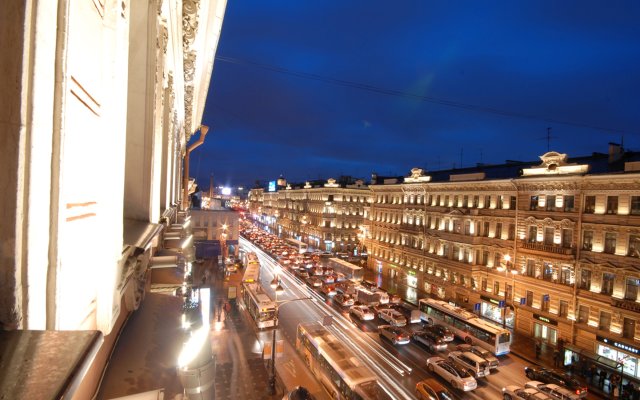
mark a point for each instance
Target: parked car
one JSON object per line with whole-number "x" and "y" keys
{"x": 343, "y": 300}
{"x": 430, "y": 339}
{"x": 314, "y": 281}
{"x": 363, "y": 313}
{"x": 478, "y": 367}
{"x": 441, "y": 330}
{"x": 457, "y": 376}
{"x": 556, "y": 391}
{"x": 329, "y": 290}
{"x": 430, "y": 389}
{"x": 514, "y": 392}
{"x": 558, "y": 377}
{"x": 394, "y": 334}
{"x": 392, "y": 316}
{"x": 480, "y": 352}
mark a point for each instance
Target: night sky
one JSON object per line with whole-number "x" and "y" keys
{"x": 318, "y": 89}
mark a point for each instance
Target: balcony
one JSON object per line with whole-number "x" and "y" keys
{"x": 629, "y": 305}
{"x": 411, "y": 228}
{"x": 567, "y": 252}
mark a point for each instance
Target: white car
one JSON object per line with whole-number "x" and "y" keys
{"x": 392, "y": 316}
{"x": 514, "y": 392}
{"x": 363, "y": 313}
{"x": 553, "y": 390}
{"x": 343, "y": 299}
{"x": 457, "y": 376}
{"x": 480, "y": 352}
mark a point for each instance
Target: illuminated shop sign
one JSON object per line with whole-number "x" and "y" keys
{"x": 545, "y": 319}
{"x": 621, "y": 346}
{"x": 490, "y": 300}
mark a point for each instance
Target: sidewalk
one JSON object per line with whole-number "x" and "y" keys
{"x": 521, "y": 345}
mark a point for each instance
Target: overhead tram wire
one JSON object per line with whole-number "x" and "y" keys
{"x": 398, "y": 93}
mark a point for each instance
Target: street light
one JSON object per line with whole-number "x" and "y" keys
{"x": 278, "y": 289}
{"x": 505, "y": 268}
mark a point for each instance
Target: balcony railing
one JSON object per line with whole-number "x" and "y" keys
{"x": 630, "y": 305}
{"x": 549, "y": 248}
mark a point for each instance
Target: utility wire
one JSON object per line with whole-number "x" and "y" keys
{"x": 398, "y": 93}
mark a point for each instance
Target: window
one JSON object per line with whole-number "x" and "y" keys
{"x": 612, "y": 204}
{"x": 587, "y": 240}
{"x": 485, "y": 229}
{"x": 567, "y": 235}
{"x": 633, "y": 250}
{"x": 589, "y": 204}
{"x": 534, "y": 203}
{"x": 512, "y": 231}
{"x": 631, "y": 292}
{"x": 628, "y": 328}
{"x": 457, "y": 226}
{"x": 533, "y": 233}
{"x": 512, "y": 202}
{"x": 499, "y": 201}
{"x": 438, "y": 200}
{"x": 531, "y": 268}
{"x": 529, "y": 298}
{"x": 547, "y": 271}
{"x": 498, "y": 230}
{"x": 635, "y": 205}
{"x": 569, "y": 202}
{"x": 551, "y": 203}
{"x": 607, "y": 283}
{"x": 565, "y": 275}
{"x": 563, "y": 311}
{"x": 585, "y": 279}
{"x": 548, "y": 235}
{"x": 476, "y": 200}
{"x": 610, "y": 242}
{"x": 544, "y": 303}
{"x": 605, "y": 321}
{"x": 455, "y": 201}
{"x": 487, "y": 201}
{"x": 496, "y": 287}
{"x": 583, "y": 314}
{"x": 484, "y": 284}
{"x": 465, "y": 201}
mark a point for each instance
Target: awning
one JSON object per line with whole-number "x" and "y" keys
{"x": 140, "y": 234}
{"x": 598, "y": 359}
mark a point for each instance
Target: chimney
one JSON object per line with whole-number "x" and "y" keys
{"x": 615, "y": 152}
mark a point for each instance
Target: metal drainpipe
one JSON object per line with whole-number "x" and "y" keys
{"x": 185, "y": 179}
{"x": 575, "y": 281}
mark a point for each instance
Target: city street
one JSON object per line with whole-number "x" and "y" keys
{"x": 398, "y": 368}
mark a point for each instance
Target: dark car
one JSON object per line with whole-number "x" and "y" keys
{"x": 558, "y": 377}
{"x": 441, "y": 331}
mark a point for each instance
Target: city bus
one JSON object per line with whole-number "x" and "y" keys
{"x": 342, "y": 375}
{"x": 259, "y": 305}
{"x": 252, "y": 272}
{"x": 350, "y": 271}
{"x": 466, "y": 325}
{"x": 301, "y": 247}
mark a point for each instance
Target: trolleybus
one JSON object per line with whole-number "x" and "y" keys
{"x": 259, "y": 305}
{"x": 336, "y": 367}
{"x": 350, "y": 271}
{"x": 301, "y": 247}
{"x": 466, "y": 325}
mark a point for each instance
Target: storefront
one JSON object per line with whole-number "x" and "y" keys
{"x": 412, "y": 284}
{"x": 545, "y": 329}
{"x": 495, "y": 309}
{"x": 622, "y": 353}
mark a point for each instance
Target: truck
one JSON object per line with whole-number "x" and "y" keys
{"x": 365, "y": 296}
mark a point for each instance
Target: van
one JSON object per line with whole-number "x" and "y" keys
{"x": 478, "y": 367}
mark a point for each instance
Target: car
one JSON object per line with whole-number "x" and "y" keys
{"x": 431, "y": 389}
{"x": 556, "y": 391}
{"x": 392, "y": 316}
{"x": 457, "y": 376}
{"x": 395, "y": 299}
{"x": 558, "y": 377}
{"x": 363, "y": 313}
{"x": 429, "y": 339}
{"x": 343, "y": 299}
{"x": 328, "y": 279}
{"x": 303, "y": 274}
{"x": 410, "y": 312}
{"x": 480, "y": 352}
{"x": 346, "y": 287}
{"x": 441, "y": 330}
{"x": 314, "y": 281}
{"x": 478, "y": 367}
{"x": 514, "y": 392}
{"x": 329, "y": 290}
{"x": 394, "y": 334}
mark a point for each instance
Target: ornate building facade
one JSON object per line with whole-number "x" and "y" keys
{"x": 327, "y": 216}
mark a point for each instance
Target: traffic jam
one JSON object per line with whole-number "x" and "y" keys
{"x": 459, "y": 364}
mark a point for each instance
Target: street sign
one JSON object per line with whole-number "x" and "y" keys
{"x": 523, "y": 301}
{"x": 545, "y": 297}
{"x": 502, "y": 304}
{"x": 476, "y": 307}
{"x": 268, "y": 347}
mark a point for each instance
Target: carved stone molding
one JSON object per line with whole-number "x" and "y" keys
{"x": 190, "y": 9}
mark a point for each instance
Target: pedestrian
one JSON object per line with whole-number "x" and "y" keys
{"x": 603, "y": 376}
{"x": 537, "y": 350}
{"x": 556, "y": 358}
{"x": 593, "y": 372}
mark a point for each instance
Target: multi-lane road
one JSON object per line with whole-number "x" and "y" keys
{"x": 398, "y": 368}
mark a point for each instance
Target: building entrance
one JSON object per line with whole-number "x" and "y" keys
{"x": 545, "y": 333}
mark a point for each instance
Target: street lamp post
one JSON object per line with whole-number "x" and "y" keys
{"x": 277, "y": 288}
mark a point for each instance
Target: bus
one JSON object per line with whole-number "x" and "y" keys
{"x": 260, "y": 306}
{"x": 350, "y": 271}
{"x": 252, "y": 272}
{"x": 301, "y": 247}
{"x": 342, "y": 375}
{"x": 466, "y": 325}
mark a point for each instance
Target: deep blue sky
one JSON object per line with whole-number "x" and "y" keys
{"x": 316, "y": 89}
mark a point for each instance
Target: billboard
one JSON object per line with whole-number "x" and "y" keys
{"x": 272, "y": 186}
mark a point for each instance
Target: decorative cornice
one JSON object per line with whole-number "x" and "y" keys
{"x": 190, "y": 9}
